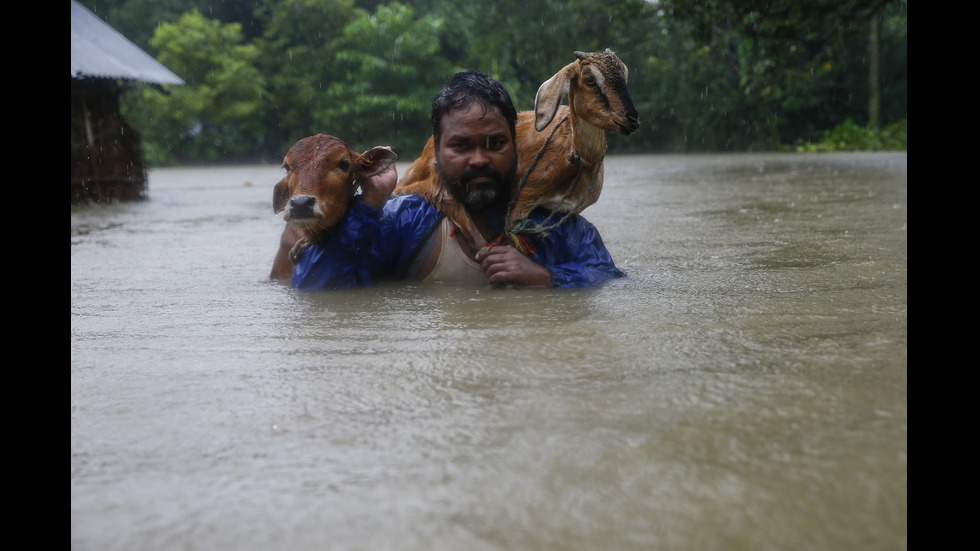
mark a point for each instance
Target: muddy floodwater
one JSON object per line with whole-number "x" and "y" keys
{"x": 744, "y": 388}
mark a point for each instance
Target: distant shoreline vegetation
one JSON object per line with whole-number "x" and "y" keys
{"x": 705, "y": 75}
{"x": 850, "y": 136}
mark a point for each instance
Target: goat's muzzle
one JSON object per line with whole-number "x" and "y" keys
{"x": 631, "y": 126}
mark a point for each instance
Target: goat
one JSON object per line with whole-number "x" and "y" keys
{"x": 560, "y": 148}
{"x": 320, "y": 181}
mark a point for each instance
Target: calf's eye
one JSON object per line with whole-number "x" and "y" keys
{"x": 344, "y": 164}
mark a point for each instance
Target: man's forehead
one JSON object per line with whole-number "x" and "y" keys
{"x": 474, "y": 120}
{"x": 460, "y": 134}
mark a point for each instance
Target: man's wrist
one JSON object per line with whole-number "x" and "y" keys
{"x": 375, "y": 201}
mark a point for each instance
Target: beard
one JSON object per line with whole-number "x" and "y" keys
{"x": 478, "y": 196}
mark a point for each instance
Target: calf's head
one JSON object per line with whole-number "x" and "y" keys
{"x": 320, "y": 181}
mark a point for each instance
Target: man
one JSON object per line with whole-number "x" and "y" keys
{"x": 406, "y": 238}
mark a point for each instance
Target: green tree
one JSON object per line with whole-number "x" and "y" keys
{"x": 705, "y": 75}
{"x": 137, "y": 20}
{"x": 684, "y": 95}
{"x": 787, "y": 56}
{"x": 216, "y": 115}
{"x": 387, "y": 67}
{"x": 298, "y": 47}
{"x": 523, "y": 43}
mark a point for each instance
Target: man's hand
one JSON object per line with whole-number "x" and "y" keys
{"x": 504, "y": 265}
{"x": 376, "y": 190}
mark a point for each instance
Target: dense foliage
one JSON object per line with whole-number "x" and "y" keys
{"x": 705, "y": 75}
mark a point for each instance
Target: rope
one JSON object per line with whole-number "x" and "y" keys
{"x": 519, "y": 242}
{"x": 534, "y": 163}
{"x": 298, "y": 248}
{"x": 526, "y": 226}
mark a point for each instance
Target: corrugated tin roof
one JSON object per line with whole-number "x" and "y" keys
{"x": 99, "y": 51}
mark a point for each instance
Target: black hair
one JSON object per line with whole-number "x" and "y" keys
{"x": 466, "y": 87}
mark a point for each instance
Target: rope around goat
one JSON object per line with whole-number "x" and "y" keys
{"x": 516, "y": 230}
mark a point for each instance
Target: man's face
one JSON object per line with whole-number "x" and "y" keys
{"x": 476, "y": 157}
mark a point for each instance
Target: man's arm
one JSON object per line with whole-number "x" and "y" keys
{"x": 575, "y": 255}
{"x": 505, "y": 265}
{"x": 343, "y": 259}
{"x": 377, "y": 189}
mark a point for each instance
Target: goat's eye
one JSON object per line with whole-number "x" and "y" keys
{"x": 344, "y": 164}
{"x": 590, "y": 81}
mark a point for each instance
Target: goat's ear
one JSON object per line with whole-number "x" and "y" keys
{"x": 280, "y": 194}
{"x": 549, "y": 96}
{"x": 373, "y": 161}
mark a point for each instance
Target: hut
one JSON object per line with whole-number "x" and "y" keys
{"x": 106, "y": 154}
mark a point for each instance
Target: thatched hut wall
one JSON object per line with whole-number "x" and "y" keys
{"x": 106, "y": 156}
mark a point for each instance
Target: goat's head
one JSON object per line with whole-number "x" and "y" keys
{"x": 320, "y": 180}
{"x": 597, "y": 93}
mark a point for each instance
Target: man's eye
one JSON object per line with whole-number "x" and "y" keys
{"x": 496, "y": 145}
{"x": 459, "y": 146}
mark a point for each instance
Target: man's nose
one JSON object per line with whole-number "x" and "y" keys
{"x": 479, "y": 156}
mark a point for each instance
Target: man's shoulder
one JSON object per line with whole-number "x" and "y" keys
{"x": 410, "y": 210}
{"x": 408, "y": 202}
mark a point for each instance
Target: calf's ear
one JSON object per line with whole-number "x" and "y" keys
{"x": 280, "y": 194}
{"x": 373, "y": 161}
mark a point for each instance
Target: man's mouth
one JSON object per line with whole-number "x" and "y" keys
{"x": 480, "y": 181}
{"x": 480, "y": 177}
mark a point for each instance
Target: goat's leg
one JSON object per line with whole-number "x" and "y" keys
{"x": 518, "y": 221}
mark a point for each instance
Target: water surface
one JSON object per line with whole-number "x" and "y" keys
{"x": 744, "y": 388}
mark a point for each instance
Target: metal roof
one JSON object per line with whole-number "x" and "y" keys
{"x": 99, "y": 51}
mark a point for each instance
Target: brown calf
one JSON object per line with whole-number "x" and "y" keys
{"x": 560, "y": 148}
{"x": 320, "y": 181}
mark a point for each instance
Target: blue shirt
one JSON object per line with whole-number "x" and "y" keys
{"x": 373, "y": 245}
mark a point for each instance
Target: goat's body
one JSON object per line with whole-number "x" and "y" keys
{"x": 560, "y": 148}
{"x": 558, "y": 169}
